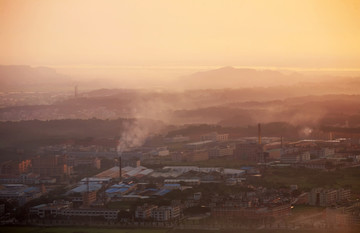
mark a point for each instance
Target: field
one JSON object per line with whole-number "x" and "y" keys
{"x": 213, "y": 162}
{"x": 310, "y": 178}
{"x": 114, "y": 230}
{"x": 76, "y": 230}
{"x": 266, "y": 231}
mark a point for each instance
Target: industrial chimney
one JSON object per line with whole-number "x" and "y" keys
{"x": 76, "y": 91}
{"x": 120, "y": 171}
{"x": 259, "y": 134}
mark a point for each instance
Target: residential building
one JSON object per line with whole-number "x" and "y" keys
{"x": 89, "y": 198}
{"x": 144, "y": 212}
{"x": 214, "y": 136}
{"x": 161, "y": 214}
{"x": 14, "y": 167}
{"x": 52, "y": 166}
{"x": 328, "y": 197}
{"x": 107, "y": 214}
{"x": 166, "y": 213}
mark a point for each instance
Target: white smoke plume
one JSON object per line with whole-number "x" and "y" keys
{"x": 149, "y": 120}
{"x": 306, "y": 131}
{"x": 134, "y": 134}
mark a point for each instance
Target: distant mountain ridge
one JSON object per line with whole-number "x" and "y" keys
{"x": 26, "y": 78}
{"x": 230, "y": 77}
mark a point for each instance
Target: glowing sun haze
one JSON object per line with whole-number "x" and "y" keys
{"x": 115, "y": 33}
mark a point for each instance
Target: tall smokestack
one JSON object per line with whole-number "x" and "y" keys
{"x": 76, "y": 91}
{"x": 120, "y": 171}
{"x": 259, "y": 133}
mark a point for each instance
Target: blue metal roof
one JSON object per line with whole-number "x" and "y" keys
{"x": 162, "y": 192}
{"x": 31, "y": 189}
{"x": 172, "y": 185}
{"x": 152, "y": 189}
{"x": 246, "y": 168}
{"x": 116, "y": 190}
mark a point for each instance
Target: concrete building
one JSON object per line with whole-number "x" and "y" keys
{"x": 161, "y": 151}
{"x": 52, "y": 166}
{"x": 131, "y": 163}
{"x": 326, "y": 152}
{"x": 197, "y": 196}
{"x": 88, "y": 198}
{"x": 64, "y": 209}
{"x": 214, "y": 136}
{"x": 221, "y": 151}
{"x": 53, "y": 209}
{"x": 251, "y": 213}
{"x": 313, "y": 164}
{"x": 322, "y": 152}
{"x": 233, "y": 173}
{"x": 249, "y": 152}
{"x": 144, "y": 212}
{"x": 177, "y": 139}
{"x": 295, "y": 157}
{"x": 328, "y": 197}
{"x": 199, "y": 145}
{"x": 105, "y": 213}
{"x": 166, "y": 213}
{"x": 14, "y": 167}
{"x": 19, "y": 193}
{"x": 191, "y": 156}
{"x": 161, "y": 214}
{"x": 84, "y": 162}
{"x": 2, "y": 209}
{"x": 174, "y": 211}
{"x": 190, "y": 182}
{"x": 274, "y": 153}
{"x": 197, "y": 156}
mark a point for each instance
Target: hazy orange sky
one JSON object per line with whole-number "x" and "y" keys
{"x": 83, "y": 34}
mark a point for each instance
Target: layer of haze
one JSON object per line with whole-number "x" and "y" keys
{"x": 94, "y": 38}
